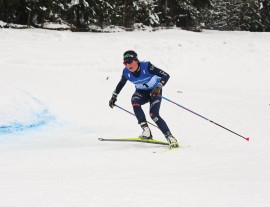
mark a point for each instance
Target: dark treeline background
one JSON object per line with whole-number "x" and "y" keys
{"x": 250, "y": 15}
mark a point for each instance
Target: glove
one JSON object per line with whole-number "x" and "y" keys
{"x": 156, "y": 90}
{"x": 113, "y": 100}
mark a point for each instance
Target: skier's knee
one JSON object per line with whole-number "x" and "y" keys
{"x": 135, "y": 101}
{"x": 154, "y": 117}
{"x": 135, "y": 104}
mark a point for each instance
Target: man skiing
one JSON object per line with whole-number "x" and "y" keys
{"x": 148, "y": 81}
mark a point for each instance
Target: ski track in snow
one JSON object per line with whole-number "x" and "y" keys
{"x": 64, "y": 81}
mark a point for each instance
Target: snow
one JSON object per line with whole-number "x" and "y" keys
{"x": 2, "y": 23}
{"x": 18, "y": 26}
{"x": 21, "y": 111}
{"x": 77, "y": 2}
{"x": 53, "y": 25}
{"x": 64, "y": 80}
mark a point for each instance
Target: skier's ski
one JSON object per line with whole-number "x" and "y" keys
{"x": 150, "y": 141}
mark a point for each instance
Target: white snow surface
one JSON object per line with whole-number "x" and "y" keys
{"x": 2, "y": 23}
{"x": 55, "y": 89}
{"x": 53, "y": 25}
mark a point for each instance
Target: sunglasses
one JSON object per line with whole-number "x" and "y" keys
{"x": 128, "y": 61}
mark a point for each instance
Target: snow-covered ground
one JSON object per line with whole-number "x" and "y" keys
{"x": 55, "y": 88}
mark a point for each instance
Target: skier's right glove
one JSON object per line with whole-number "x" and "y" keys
{"x": 113, "y": 100}
{"x": 156, "y": 90}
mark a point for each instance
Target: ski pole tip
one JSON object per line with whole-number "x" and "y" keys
{"x": 247, "y": 138}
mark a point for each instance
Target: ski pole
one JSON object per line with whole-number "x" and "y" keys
{"x": 133, "y": 114}
{"x": 205, "y": 118}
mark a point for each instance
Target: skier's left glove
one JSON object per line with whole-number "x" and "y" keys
{"x": 113, "y": 100}
{"x": 156, "y": 90}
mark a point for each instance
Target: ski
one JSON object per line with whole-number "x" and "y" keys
{"x": 150, "y": 141}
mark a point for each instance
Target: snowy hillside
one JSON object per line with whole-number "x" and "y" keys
{"x": 55, "y": 89}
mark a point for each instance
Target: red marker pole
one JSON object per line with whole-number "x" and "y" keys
{"x": 246, "y": 138}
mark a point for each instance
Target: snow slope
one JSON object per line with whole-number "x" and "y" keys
{"x": 55, "y": 88}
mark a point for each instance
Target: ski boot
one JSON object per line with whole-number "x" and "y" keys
{"x": 146, "y": 134}
{"x": 172, "y": 141}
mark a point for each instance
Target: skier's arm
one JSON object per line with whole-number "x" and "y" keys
{"x": 164, "y": 79}
{"x": 156, "y": 71}
{"x": 120, "y": 85}
{"x": 117, "y": 90}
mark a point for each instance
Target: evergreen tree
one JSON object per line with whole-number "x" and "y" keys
{"x": 265, "y": 14}
{"x": 234, "y": 9}
{"x": 201, "y": 4}
{"x": 182, "y": 13}
{"x": 216, "y": 17}
{"x": 126, "y": 12}
{"x": 252, "y": 15}
{"x": 80, "y": 13}
{"x": 162, "y": 11}
{"x": 7, "y": 10}
{"x": 177, "y": 12}
{"x": 250, "y": 18}
{"x": 234, "y": 15}
{"x": 130, "y": 11}
{"x": 105, "y": 12}
{"x": 146, "y": 14}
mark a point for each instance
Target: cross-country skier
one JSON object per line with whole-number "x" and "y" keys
{"x": 148, "y": 81}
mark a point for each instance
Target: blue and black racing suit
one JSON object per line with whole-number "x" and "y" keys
{"x": 145, "y": 79}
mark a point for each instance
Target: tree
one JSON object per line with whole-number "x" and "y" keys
{"x": 182, "y": 13}
{"x": 217, "y": 16}
{"x": 105, "y": 12}
{"x": 7, "y": 8}
{"x": 265, "y": 14}
{"x": 79, "y": 13}
{"x": 250, "y": 17}
{"x": 177, "y": 12}
{"x": 234, "y": 15}
{"x": 146, "y": 14}
{"x": 126, "y": 12}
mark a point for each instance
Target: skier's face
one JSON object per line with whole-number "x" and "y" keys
{"x": 133, "y": 66}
